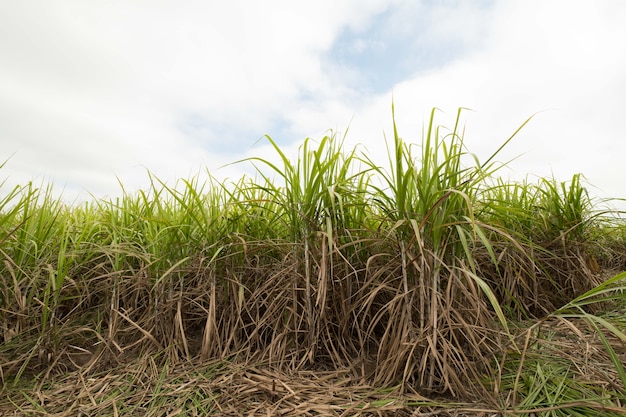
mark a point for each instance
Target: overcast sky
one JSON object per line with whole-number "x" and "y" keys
{"x": 96, "y": 91}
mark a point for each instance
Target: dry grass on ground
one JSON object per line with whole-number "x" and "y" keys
{"x": 566, "y": 353}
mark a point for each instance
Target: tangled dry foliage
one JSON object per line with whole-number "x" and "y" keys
{"x": 149, "y": 386}
{"x": 247, "y": 344}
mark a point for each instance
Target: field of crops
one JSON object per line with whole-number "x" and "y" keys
{"x": 325, "y": 285}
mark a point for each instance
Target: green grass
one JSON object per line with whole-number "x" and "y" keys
{"x": 426, "y": 278}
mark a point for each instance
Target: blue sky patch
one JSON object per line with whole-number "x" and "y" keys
{"x": 393, "y": 48}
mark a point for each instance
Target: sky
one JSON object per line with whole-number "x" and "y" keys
{"x": 94, "y": 95}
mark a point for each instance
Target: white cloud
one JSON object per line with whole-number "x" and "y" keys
{"x": 562, "y": 61}
{"x": 90, "y": 90}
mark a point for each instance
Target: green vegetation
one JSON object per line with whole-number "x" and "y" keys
{"x": 328, "y": 285}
